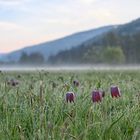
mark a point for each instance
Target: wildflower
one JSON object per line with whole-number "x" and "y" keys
{"x": 96, "y": 96}
{"x": 115, "y": 92}
{"x": 13, "y": 82}
{"x": 76, "y": 83}
{"x": 70, "y": 97}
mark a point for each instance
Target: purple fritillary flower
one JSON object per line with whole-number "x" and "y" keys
{"x": 115, "y": 92}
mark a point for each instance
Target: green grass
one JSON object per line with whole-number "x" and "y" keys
{"x": 36, "y": 109}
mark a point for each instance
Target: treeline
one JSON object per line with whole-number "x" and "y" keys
{"x": 95, "y": 55}
{"x": 130, "y": 44}
{"x": 33, "y": 58}
{"x": 113, "y": 48}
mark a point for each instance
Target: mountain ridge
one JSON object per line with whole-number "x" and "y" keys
{"x": 125, "y": 36}
{"x": 101, "y": 36}
{"x": 53, "y": 47}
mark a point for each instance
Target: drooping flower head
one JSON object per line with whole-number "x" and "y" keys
{"x": 13, "y": 82}
{"x": 70, "y": 97}
{"x": 115, "y": 92}
{"x": 76, "y": 83}
{"x": 96, "y": 96}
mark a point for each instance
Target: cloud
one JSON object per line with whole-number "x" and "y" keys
{"x": 7, "y": 26}
{"x": 14, "y": 36}
{"x": 12, "y": 2}
{"x": 88, "y": 1}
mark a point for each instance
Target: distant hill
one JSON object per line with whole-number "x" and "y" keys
{"x": 54, "y": 47}
{"x": 126, "y": 37}
{"x": 2, "y": 55}
{"x": 130, "y": 28}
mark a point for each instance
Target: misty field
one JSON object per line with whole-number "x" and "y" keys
{"x": 35, "y": 106}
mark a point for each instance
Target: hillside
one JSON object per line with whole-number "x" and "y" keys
{"x": 53, "y": 47}
{"x": 125, "y": 37}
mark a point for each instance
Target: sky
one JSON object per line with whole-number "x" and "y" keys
{"x": 27, "y": 22}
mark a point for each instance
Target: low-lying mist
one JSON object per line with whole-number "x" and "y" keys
{"x": 69, "y": 67}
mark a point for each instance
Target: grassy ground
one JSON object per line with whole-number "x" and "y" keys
{"x": 36, "y": 109}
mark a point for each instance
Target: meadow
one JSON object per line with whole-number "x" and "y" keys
{"x": 36, "y": 108}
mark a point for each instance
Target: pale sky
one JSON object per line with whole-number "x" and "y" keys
{"x": 27, "y": 22}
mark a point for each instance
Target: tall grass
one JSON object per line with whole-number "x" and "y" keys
{"x": 36, "y": 109}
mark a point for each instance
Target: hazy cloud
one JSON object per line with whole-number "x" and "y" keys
{"x": 12, "y": 2}
{"x": 7, "y": 26}
{"x": 88, "y": 1}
